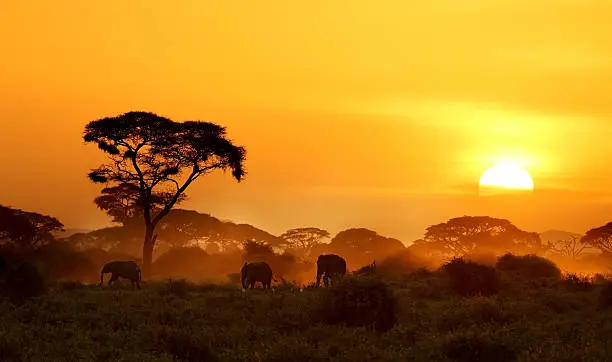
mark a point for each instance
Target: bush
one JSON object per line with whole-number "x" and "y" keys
{"x": 527, "y": 267}
{"x": 23, "y": 283}
{"x": 576, "y": 283}
{"x": 360, "y": 302}
{"x": 476, "y": 349}
{"x": 471, "y": 279}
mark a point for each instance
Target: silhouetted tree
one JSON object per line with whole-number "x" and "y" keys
{"x": 464, "y": 235}
{"x": 363, "y": 246}
{"x": 571, "y": 247}
{"x": 304, "y": 240}
{"x": 160, "y": 157}
{"x": 600, "y": 238}
{"x": 26, "y": 230}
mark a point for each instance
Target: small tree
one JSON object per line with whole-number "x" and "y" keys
{"x": 158, "y": 156}
{"x": 600, "y": 238}
{"x": 571, "y": 247}
{"x": 304, "y": 239}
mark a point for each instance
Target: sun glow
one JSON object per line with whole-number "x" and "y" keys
{"x": 506, "y": 176}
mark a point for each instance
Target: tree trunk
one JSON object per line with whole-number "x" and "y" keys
{"x": 147, "y": 251}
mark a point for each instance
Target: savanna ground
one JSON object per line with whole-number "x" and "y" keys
{"x": 415, "y": 317}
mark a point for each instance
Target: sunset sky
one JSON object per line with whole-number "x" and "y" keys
{"x": 377, "y": 114}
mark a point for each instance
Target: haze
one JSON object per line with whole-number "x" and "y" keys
{"x": 354, "y": 113}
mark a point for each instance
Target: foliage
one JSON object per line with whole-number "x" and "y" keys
{"x": 160, "y": 157}
{"x": 221, "y": 323}
{"x": 464, "y": 235}
{"x": 303, "y": 240}
{"x": 363, "y": 246}
{"x": 26, "y": 230}
{"x": 470, "y": 279}
{"x": 527, "y": 267}
{"x": 577, "y": 283}
{"x": 600, "y": 238}
{"x": 360, "y": 302}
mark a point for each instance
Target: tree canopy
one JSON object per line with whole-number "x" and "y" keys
{"x": 464, "y": 235}
{"x": 26, "y": 230}
{"x": 362, "y": 246}
{"x": 600, "y": 238}
{"x": 303, "y": 240}
{"x": 160, "y": 158}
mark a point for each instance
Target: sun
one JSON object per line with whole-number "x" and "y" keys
{"x": 506, "y": 177}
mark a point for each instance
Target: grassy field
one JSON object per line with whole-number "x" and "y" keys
{"x": 165, "y": 321}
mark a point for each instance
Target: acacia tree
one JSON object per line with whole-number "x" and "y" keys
{"x": 160, "y": 157}
{"x": 600, "y": 238}
{"x": 464, "y": 235}
{"x": 25, "y": 229}
{"x": 304, "y": 239}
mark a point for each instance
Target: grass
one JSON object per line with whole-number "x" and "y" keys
{"x": 177, "y": 320}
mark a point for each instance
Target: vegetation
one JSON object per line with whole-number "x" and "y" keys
{"x": 423, "y": 319}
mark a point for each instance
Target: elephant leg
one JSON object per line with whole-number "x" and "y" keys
{"x": 112, "y": 279}
{"x": 326, "y": 280}
{"x": 252, "y": 284}
{"x": 318, "y": 278}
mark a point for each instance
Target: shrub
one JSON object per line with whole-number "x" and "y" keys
{"x": 23, "y": 283}
{"x": 476, "y": 349}
{"x": 360, "y": 302}
{"x": 471, "y": 279}
{"x": 527, "y": 267}
{"x": 576, "y": 283}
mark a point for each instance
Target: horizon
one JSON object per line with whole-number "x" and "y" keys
{"x": 377, "y": 116}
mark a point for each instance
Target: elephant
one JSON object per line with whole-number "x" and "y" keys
{"x": 328, "y": 266}
{"x": 122, "y": 269}
{"x": 256, "y": 272}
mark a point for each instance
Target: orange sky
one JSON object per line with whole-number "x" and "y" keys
{"x": 354, "y": 113}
